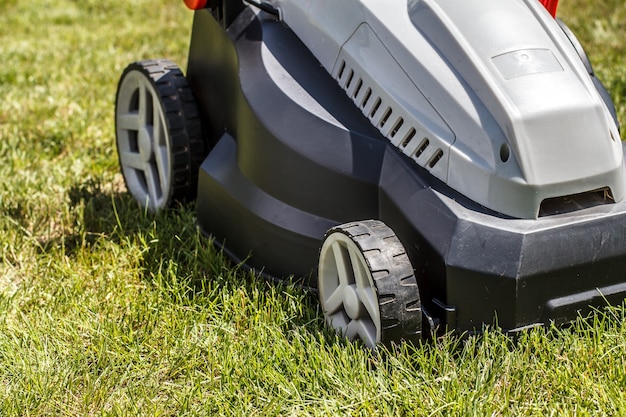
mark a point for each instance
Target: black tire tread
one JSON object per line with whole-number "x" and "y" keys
{"x": 182, "y": 118}
{"x": 394, "y": 279}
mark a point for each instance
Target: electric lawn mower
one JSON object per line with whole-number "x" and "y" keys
{"x": 421, "y": 164}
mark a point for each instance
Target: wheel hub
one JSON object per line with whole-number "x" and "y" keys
{"x": 352, "y": 303}
{"x": 144, "y": 142}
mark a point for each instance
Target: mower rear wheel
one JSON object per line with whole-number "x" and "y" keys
{"x": 367, "y": 286}
{"x": 158, "y": 134}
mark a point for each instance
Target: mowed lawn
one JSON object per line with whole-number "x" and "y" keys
{"x": 108, "y": 310}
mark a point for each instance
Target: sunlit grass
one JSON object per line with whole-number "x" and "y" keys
{"x": 108, "y": 310}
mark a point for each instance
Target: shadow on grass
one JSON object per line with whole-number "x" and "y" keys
{"x": 174, "y": 253}
{"x": 167, "y": 237}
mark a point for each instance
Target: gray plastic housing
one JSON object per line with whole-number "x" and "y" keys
{"x": 490, "y": 96}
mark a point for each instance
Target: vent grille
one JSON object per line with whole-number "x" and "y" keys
{"x": 389, "y": 120}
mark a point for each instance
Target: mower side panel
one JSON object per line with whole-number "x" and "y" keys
{"x": 282, "y": 172}
{"x": 251, "y": 226}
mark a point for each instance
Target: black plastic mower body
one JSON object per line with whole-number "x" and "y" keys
{"x": 292, "y": 157}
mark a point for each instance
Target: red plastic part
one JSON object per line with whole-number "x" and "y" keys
{"x": 551, "y": 5}
{"x": 196, "y": 4}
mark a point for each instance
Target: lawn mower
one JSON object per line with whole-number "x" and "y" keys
{"x": 420, "y": 164}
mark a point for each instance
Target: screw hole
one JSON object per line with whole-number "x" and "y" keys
{"x": 505, "y": 152}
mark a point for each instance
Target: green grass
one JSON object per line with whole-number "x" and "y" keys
{"x": 107, "y": 310}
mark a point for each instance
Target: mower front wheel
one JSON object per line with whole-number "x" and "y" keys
{"x": 367, "y": 285}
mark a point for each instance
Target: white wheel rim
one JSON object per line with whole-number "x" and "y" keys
{"x": 346, "y": 289}
{"x": 143, "y": 141}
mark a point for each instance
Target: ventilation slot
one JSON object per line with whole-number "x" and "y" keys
{"x": 409, "y": 137}
{"x": 376, "y": 107}
{"x": 366, "y": 98}
{"x": 397, "y": 127}
{"x": 570, "y": 203}
{"x": 420, "y": 150}
{"x": 342, "y": 68}
{"x": 357, "y": 90}
{"x": 436, "y": 158}
{"x": 385, "y": 117}
{"x": 350, "y": 78}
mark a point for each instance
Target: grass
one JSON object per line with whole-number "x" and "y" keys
{"x": 107, "y": 310}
